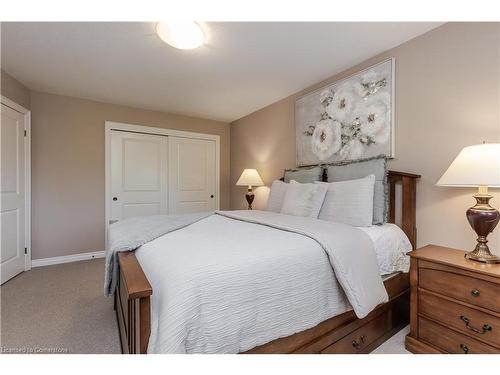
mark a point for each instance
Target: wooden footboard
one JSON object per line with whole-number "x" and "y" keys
{"x": 132, "y": 305}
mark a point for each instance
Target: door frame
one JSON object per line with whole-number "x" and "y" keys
{"x": 27, "y": 176}
{"x": 144, "y": 129}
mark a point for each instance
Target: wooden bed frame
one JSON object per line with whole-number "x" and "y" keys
{"x": 343, "y": 333}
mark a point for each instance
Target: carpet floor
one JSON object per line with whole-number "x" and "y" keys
{"x": 62, "y": 309}
{"x": 58, "y": 308}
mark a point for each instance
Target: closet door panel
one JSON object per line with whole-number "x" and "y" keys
{"x": 138, "y": 175}
{"x": 191, "y": 175}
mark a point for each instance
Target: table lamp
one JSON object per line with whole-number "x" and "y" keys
{"x": 478, "y": 166}
{"x": 250, "y": 177}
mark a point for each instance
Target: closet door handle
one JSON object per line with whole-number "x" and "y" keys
{"x": 115, "y": 199}
{"x": 211, "y": 196}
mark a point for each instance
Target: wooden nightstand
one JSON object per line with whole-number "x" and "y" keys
{"x": 455, "y": 303}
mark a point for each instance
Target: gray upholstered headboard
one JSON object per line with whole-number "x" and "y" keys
{"x": 306, "y": 174}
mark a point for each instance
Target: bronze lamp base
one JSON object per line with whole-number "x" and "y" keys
{"x": 483, "y": 219}
{"x": 250, "y": 197}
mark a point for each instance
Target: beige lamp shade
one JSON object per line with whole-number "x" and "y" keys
{"x": 250, "y": 177}
{"x": 474, "y": 166}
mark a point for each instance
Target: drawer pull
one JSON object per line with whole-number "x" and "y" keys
{"x": 486, "y": 327}
{"x": 464, "y": 348}
{"x": 475, "y": 292}
{"x": 357, "y": 344}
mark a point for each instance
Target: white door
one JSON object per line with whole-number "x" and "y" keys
{"x": 138, "y": 175}
{"x": 192, "y": 185}
{"x": 12, "y": 200}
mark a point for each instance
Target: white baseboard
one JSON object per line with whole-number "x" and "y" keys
{"x": 66, "y": 259}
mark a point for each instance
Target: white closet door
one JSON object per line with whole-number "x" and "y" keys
{"x": 192, "y": 185}
{"x": 12, "y": 193}
{"x": 138, "y": 175}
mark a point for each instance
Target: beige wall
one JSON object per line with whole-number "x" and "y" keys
{"x": 14, "y": 90}
{"x": 68, "y": 168}
{"x": 447, "y": 97}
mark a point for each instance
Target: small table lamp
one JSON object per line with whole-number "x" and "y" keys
{"x": 250, "y": 177}
{"x": 478, "y": 166}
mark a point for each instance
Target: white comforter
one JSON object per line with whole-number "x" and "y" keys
{"x": 225, "y": 285}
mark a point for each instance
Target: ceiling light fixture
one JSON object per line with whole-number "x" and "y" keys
{"x": 181, "y": 34}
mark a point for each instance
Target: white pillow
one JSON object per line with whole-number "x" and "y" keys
{"x": 303, "y": 199}
{"x": 349, "y": 202}
{"x": 276, "y": 196}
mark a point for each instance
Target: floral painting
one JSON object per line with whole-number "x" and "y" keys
{"x": 348, "y": 120}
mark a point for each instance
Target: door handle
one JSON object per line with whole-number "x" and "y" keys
{"x": 211, "y": 196}
{"x": 115, "y": 199}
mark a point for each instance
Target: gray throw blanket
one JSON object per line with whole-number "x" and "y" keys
{"x": 129, "y": 234}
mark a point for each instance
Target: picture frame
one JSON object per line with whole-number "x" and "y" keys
{"x": 350, "y": 119}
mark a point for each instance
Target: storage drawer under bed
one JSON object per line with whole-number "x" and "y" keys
{"x": 360, "y": 340}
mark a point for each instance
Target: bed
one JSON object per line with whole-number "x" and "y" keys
{"x": 334, "y": 327}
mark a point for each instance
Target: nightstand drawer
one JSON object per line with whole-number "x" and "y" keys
{"x": 451, "y": 341}
{"x": 464, "y": 288}
{"x": 474, "y": 322}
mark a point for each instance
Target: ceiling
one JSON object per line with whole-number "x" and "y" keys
{"x": 243, "y": 66}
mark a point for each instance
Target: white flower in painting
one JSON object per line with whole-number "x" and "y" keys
{"x": 349, "y": 129}
{"x": 374, "y": 116}
{"x": 325, "y": 97}
{"x": 370, "y": 78}
{"x": 342, "y": 104}
{"x": 326, "y": 139}
{"x": 352, "y": 150}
